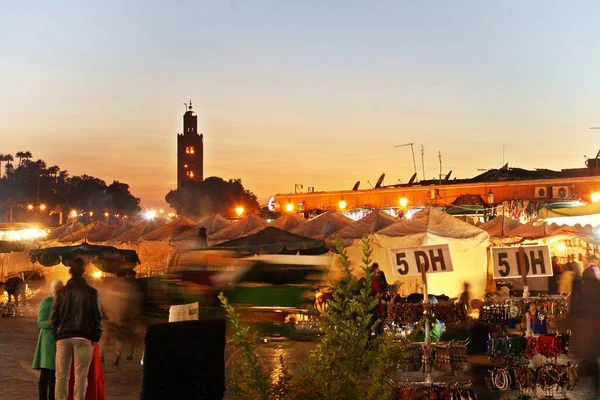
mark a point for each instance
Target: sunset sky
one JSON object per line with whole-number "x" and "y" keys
{"x": 310, "y": 92}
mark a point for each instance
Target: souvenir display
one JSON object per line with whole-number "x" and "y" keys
{"x": 502, "y": 310}
{"x": 407, "y": 313}
{"x": 436, "y": 391}
{"x": 548, "y": 377}
{"x": 513, "y": 348}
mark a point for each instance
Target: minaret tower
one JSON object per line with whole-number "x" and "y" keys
{"x": 190, "y": 149}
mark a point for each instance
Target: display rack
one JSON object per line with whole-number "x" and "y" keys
{"x": 427, "y": 356}
{"x": 515, "y": 353}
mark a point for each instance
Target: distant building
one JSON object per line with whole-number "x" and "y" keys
{"x": 190, "y": 150}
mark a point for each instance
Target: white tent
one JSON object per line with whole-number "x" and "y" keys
{"x": 240, "y": 228}
{"x": 467, "y": 244}
{"x": 287, "y": 222}
{"x": 323, "y": 226}
{"x": 368, "y": 225}
{"x": 212, "y": 225}
{"x": 170, "y": 230}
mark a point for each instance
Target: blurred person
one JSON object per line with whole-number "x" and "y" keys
{"x": 44, "y": 359}
{"x": 379, "y": 290}
{"x": 122, "y": 306}
{"x": 565, "y": 283}
{"x": 584, "y": 324}
{"x": 15, "y": 287}
{"x": 76, "y": 326}
{"x": 553, "y": 280}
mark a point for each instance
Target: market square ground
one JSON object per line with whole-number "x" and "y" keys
{"x": 18, "y": 336}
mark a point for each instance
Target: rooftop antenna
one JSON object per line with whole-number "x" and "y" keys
{"x": 369, "y": 182}
{"x": 413, "y": 154}
{"x": 423, "y": 160}
{"x": 440, "y": 157}
{"x": 186, "y": 106}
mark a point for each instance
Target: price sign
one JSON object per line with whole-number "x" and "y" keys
{"x": 507, "y": 263}
{"x": 408, "y": 261}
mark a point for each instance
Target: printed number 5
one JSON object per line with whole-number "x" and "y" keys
{"x": 401, "y": 263}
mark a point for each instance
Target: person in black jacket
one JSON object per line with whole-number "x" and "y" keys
{"x": 76, "y": 326}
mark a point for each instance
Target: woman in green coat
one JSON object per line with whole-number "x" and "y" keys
{"x": 44, "y": 358}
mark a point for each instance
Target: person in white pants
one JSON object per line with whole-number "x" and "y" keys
{"x": 76, "y": 326}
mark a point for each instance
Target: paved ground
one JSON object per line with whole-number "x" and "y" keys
{"x": 18, "y": 336}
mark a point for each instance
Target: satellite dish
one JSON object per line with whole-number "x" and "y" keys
{"x": 379, "y": 181}
{"x": 448, "y": 176}
{"x": 356, "y": 186}
{"x": 412, "y": 179}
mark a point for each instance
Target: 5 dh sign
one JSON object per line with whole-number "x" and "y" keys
{"x": 507, "y": 263}
{"x": 408, "y": 261}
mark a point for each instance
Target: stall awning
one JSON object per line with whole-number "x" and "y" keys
{"x": 580, "y": 215}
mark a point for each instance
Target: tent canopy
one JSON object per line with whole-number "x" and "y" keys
{"x": 431, "y": 222}
{"x": 533, "y": 230}
{"x": 271, "y": 240}
{"x": 323, "y": 226}
{"x": 500, "y": 226}
{"x": 287, "y": 222}
{"x": 137, "y": 231}
{"x": 370, "y": 224}
{"x": 238, "y": 229}
{"x": 106, "y": 258}
{"x": 212, "y": 225}
{"x": 467, "y": 244}
{"x": 64, "y": 230}
{"x": 571, "y": 216}
{"x": 170, "y": 230}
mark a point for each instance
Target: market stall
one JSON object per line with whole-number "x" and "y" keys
{"x": 463, "y": 243}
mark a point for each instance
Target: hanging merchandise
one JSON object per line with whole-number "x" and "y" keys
{"x": 503, "y": 310}
{"x": 511, "y": 349}
{"x": 436, "y": 391}
{"x": 407, "y": 313}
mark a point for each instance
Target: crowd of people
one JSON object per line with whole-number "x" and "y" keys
{"x": 75, "y": 329}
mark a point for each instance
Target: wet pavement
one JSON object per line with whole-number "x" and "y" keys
{"x": 18, "y": 338}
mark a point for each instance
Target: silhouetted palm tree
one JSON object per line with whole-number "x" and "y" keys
{"x": 20, "y": 155}
{"x": 9, "y": 159}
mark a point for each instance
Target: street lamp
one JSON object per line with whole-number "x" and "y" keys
{"x": 595, "y": 197}
{"x": 490, "y": 197}
{"x": 289, "y": 207}
{"x": 42, "y": 207}
{"x": 239, "y": 210}
{"x": 403, "y": 202}
{"x": 74, "y": 213}
{"x": 30, "y": 207}
{"x": 342, "y": 204}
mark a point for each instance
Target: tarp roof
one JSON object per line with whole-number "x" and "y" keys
{"x": 212, "y": 225}
{"x": 431, "y": 221}
{"x": 581, "y": 215}
{"x": 532, "y": 231}
{"x": 97, "y": 231}
{"x": 238, "y": 229}
{"x": 271, "y": 240}
{"x": 287, "y": 222}
{"x": 138, "y": 230}
{"x": 79, "y": 235}
{"x": 370, "y": 224}
{"x": 500, "y": 226}
{"x": 170, "y": 230}
{"x": 65, "y": 229}
{"x": 323, "y": 226}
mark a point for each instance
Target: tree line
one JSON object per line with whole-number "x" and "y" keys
{"x": 32, "y": 190}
